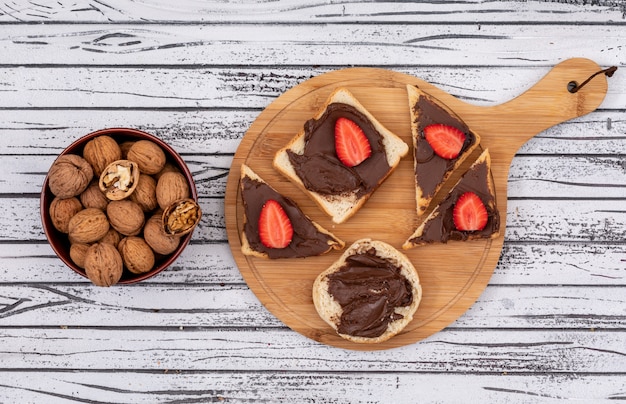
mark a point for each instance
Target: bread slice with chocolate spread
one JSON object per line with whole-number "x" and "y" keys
{"x": 369, "y": 294}
{"x": 468, "y": 212}
{"x": 314, "y": 159}
{"x": 270, "y": 216}
{"x": 441, "y": 142}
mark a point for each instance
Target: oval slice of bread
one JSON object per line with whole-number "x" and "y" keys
{"x": 330, "y": 310}
{"x": 341, "y": 207}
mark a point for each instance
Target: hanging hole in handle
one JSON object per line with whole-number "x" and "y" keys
{"x": 571, "y": 86}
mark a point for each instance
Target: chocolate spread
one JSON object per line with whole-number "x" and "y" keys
{"x": 306, "y": 240}
{"x": 368, "y": 288}
{"x": 320, "y": 169}
{"x": 442, "y": 229}
{"x": 430, "y": 168}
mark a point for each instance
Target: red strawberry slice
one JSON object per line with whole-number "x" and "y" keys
{"x": 351, "y": 143}
{"x": 275, "y": 230}
{"x": 469, "y": 213}
{"x": 446, "y": 141}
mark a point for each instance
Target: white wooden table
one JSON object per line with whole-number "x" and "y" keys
{"x": 551, "y": 325}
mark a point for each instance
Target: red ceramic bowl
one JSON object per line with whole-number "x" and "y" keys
{"x": 59, "y": 241}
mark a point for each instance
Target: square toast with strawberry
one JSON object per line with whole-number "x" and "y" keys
{"x": 341, "y": 156}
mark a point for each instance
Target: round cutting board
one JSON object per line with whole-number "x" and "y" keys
{"x": 452, "y": 275}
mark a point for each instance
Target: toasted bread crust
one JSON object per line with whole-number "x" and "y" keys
{"x": 334, "y": 243}
{"x": 485, "y": 157}
{"x": 414, "y": 95}
{"x": 340, "y": 207}
{"x": 330, "y": 311}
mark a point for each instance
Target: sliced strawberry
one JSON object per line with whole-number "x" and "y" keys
{"x": 469, "y": 213}
{"x": 446, "y": 141}
{"x": 351, "y": 143}
{"x": 275, "y": 230}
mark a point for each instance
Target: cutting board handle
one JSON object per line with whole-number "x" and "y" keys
{"x": 549, "y": 101}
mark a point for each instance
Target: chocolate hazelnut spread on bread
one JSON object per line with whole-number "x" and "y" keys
{"x": 320, "y": 169}
{"x": 440, "y": 227}
{"x": 368, "y": 288}
{"x": 431, "y": 170}
{"x": 309, "y": 238}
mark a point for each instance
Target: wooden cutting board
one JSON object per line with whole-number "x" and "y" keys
{"x": 453, "y": 275}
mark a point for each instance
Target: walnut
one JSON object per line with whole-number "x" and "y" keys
{"x": 136, "y": 255}
{"x": 87, "y": 226}
{"x": 181, "y": 217}
{"x": 157, "y": 239}
{"x": 62, "y": 210}
{"x": 93, "y": 197}
{"x": 100, "y": 152}
{"x": 148, "y": 155}
{"x": 112, "y": 237}
{"x": 145, "y": 193}
{"x": 119, "y": 179}
{"x": 171, "y": 187}
{"x": 69, "y": 175}
{"x": 126, "y": 217}
{"x": 78, "y": 251}
{"x": 125, "y": 147}
{"x": 169, "y": 167}
{"x": 103, "y": 264}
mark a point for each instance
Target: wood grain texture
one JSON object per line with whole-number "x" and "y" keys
{"x": 449, "y": 289}
{"x": 197, "y": 74}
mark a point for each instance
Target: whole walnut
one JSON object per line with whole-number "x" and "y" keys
{"x": 69, "y": 175}
{"x": 126, "y": 216}
{"x": 169, "y": 167}
{"x": 157, "y": 239}
{"x": 78, "y": 251}
{"x": 103, "y": 264}
{"x": 100, "y": 152}
{"x": 62, "y": 210}
{"x": 93, "y": 197}
{"x": 145, "y": 193}
{"x": 137, "y": 255}
{"x": 88, "y": 226}
{"x": 171, "y": 187}
{"x": 148, "y": 155}
{"x": 125, "y": 147}
{"x": 112, "y": 237}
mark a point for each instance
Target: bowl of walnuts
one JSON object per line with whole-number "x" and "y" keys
{"x": 119, "y": 206}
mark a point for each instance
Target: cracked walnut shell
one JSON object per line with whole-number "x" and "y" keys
{"x": 69, "y": 175}
{"x": 103, "y": 264}
{"x": 181, "y": 217}
{"x": 119, "y": 179}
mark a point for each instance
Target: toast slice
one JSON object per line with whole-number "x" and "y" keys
{"x": 310, "y": 159}
{"x": 369, "y": 294}
{"x": 440, "y": 225}
{"x": 309, "y": 238}
{"x": 432, "y": 170}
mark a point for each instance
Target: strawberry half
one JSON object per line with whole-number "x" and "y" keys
{"x": 469, "y": 213}
{"x": 351, "y": 143}
{"x": 275, "y": 230}
{"x": 446, "y": 141}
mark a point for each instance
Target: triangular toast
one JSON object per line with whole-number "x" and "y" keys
{"x": 309, "y": 238}
{"x": 310, "y": 160}
{"x": 431, "y": 170}
{"x": 439, "y": 227}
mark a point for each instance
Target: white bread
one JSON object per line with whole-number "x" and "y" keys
{"x": 414, "y": 94}
{"x": 330, "y": 310}
{"x": 414, "y": 240}
{"x": 340, "y": 207}
{"x": 334, "y": 243}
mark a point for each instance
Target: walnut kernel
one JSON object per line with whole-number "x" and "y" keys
{"x": 119, "y": 179}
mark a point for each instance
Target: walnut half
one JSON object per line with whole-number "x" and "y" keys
{"x": 181, "y": 217}
{"x": 119, "y": 179}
